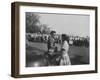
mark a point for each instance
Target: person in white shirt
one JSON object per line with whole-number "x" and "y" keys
{"x": 65, "y": 59}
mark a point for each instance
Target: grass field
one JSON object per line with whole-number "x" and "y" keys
{"x": 78, "y": 55}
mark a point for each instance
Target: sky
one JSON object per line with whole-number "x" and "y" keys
{"x": 71, "y": 24}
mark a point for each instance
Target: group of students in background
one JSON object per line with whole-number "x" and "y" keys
{"x": 73, "y": 41}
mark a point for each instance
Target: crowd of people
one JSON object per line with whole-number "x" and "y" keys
{"x": 72, "y": 40}
{"x": 64, "y": 40}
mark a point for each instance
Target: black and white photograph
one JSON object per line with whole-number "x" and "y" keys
{"x": 52, "y": 39}
{"x": 57, "y": 39}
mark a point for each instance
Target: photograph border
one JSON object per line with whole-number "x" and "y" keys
{"x": 15, "y": 69}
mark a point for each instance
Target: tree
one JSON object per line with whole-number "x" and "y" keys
{"x": 31, "y": 23}
{"x": 45, "y": 29}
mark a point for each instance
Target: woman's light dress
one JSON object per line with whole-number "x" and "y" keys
{"x": 65, "y": 60}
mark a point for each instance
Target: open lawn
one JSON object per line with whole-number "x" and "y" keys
{"x": 78, "y": 55}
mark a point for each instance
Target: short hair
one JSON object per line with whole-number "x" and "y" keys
{"x": 52, "y": 32}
